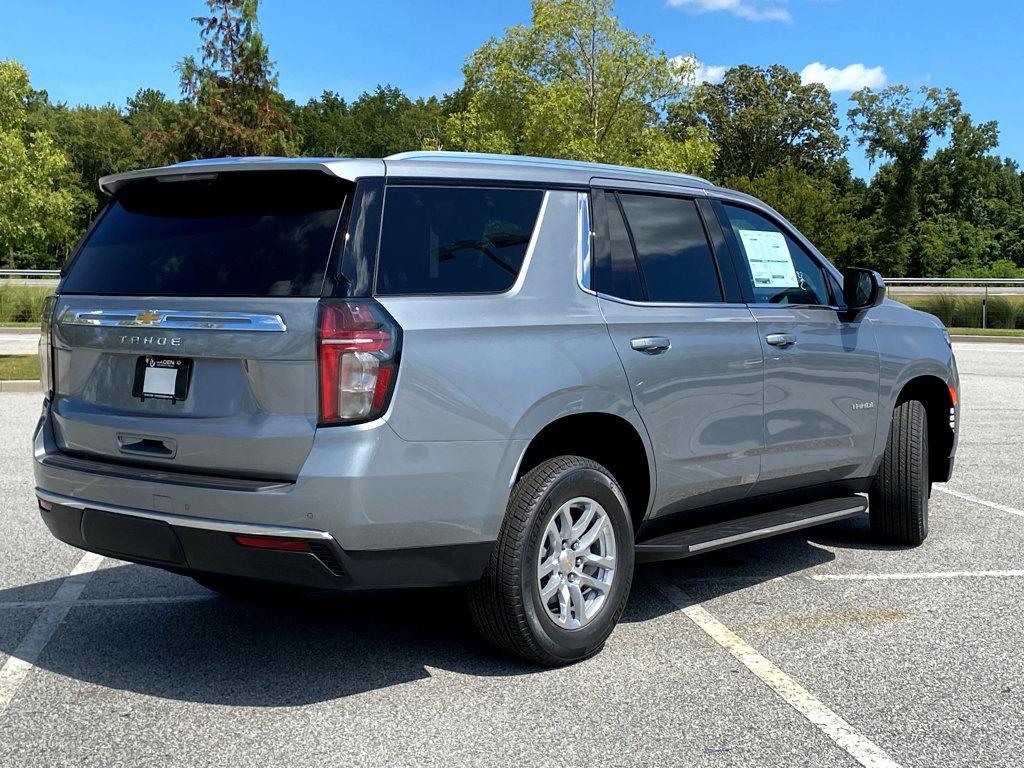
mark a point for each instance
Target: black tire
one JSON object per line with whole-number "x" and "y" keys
{"x": 506, "y": 605}
{"x": 242, "y": 589}
{"x": 899, "y": 492}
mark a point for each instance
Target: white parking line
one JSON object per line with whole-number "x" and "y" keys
{"x": 919, "y": 575}
{"x": 859, "y": 747}
{"x": 197, "y": 597}
{"x": 23, "y": 658}
{"x": 979, "y": 501}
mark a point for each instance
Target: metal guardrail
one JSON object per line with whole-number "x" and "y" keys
{"x": 981, "y": 286}
{"x": 955, "y": 281}
{"x": 889, "y": 281}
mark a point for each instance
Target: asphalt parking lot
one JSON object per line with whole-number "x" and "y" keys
{"x": 819, "y": 648}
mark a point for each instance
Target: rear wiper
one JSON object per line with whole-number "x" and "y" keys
{"x": 484, "y": 246}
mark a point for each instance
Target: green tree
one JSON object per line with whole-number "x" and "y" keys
{"x": 150, "y": 114}
{"x": 576, "y": 84}
{"x": 374, "y": 125}
{"x": 814, "y": 206}
{"x": 230, "y": 103}
{"x": 380, "y": 123}
{"x": 324, "y": 126}
{"x": 892, "y": 124}
{"x": 763, "y": 118}
{"x": 36, "y": 208}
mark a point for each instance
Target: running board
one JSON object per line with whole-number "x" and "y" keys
{"x": 681, "y": 544}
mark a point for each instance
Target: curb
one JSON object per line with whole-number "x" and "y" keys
{"x": 19, "y": 330}
{"x": 20, "y": 386}
{"x": 979, "y": 338}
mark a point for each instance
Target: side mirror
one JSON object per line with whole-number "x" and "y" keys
{"x": 862, "y": 289}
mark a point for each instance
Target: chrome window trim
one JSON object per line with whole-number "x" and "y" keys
{"x": 633, "y": 303}
{"x": 531, "y": 247}
{"x": 197, "y": 320}
{"x": 187, "y": 521}
{"x": 584, "y": 243}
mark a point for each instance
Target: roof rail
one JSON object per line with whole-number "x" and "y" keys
{"x": 487, "y": 157}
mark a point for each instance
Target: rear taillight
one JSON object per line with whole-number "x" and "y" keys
{"x": 358, "y": 360}
{"x": 46, "y": 345}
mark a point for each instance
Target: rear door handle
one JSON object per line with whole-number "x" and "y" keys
{"x": 781, "y": 340}
{"x": 652, "y": 345}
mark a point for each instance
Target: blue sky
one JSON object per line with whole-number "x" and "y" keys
{"x": 104, "y": 50}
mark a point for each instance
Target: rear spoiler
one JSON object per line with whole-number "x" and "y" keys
{"x": 349, "y": 169}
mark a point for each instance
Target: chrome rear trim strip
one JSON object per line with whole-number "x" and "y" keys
{"x": 198, "y": 320}
{"x": 209, "y": 524}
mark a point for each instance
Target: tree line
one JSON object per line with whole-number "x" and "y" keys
{"x": 574, "y": 83}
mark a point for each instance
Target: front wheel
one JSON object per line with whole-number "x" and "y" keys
{"x": 560, "y": 574}
{"x": 899, "y": 493}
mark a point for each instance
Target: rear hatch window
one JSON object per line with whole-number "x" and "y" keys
{"x": 232, "y": 234}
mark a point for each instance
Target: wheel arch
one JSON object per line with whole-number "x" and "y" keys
{"x": 939, "y": 404}
{"x": 609, "y": 439}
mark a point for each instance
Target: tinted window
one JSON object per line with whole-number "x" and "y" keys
{"x": 238, "y": 234}
{"x": 672, "y": 249}
{"x": 617, "y": 274}
{"x": 779, "y": 269}
{"x": 454, "y": 240}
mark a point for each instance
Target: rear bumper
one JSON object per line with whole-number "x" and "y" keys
{"x": 199, "y": 545}
{"x": 394, "y": 513}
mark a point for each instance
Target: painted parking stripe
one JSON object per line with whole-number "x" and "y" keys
{"x": 860, "y": 748}
{"x": 131, "y": 601}
{"x": 23, "y": 658}
{"x": 979, "y": 501}
{"x": 989, "y": 574}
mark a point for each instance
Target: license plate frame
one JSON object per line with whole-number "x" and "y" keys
{"x": 162, "y": 378}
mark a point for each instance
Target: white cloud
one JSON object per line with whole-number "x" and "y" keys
{"x": 752, "y": 10}
{"x": 702, "y": 73}
{"x": 850, "y": 78}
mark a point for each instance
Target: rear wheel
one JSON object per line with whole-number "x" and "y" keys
{"x": 560, "y": 574}
{"x": 899, "y": 492}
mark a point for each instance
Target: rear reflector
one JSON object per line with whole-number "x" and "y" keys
{"x": 272, "y": 543}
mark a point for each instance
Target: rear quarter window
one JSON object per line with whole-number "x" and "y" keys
{"x": 235, "y": 234}
{"x": 454, "y": 240}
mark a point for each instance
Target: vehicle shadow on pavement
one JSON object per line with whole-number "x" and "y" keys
{"x": 188, "y": 644}
{"x": 718, "y": 573}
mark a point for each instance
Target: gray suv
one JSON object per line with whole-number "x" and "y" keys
{"x": 517, "y": 374}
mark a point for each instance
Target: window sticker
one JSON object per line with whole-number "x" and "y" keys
{"x": 770, "y": 261}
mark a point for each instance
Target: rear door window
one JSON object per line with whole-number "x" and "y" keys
{"x": 671, "y": 248}
{"x": 454, "y": 240}
{"x": 230, "y": 234}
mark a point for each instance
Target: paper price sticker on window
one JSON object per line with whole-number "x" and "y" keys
{"x": 770, "y": 262}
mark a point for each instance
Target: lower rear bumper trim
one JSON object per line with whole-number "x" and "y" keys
{"x": 190, "y": 522}
{"x": 189, "y": 545}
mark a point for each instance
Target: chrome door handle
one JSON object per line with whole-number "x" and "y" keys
{"x": 780, "y": 340}
{"x": 652, "y": 345}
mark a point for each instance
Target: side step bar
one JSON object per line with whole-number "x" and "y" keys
{"x": 681, "y": 544}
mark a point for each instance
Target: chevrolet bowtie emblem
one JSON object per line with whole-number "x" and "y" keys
{"x": 148, "y": 318}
